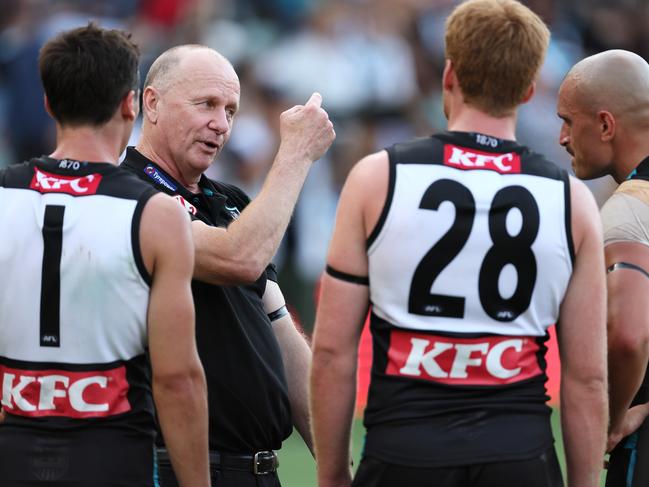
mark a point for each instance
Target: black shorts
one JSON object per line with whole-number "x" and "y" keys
{"x": 221, "y": 477}
{"x": 100, "y": 457}
{"x": 628, "y": 465}
{"x": 542, "y": 471}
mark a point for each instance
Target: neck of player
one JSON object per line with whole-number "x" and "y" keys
{"x": 469, "y": 119}
{"x": 87, "y": 143}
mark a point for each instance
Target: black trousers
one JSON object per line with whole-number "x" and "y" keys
{"x": 628, "y": 465}
{"x": 542, "y": 471}
{"x": 220, "y": 477}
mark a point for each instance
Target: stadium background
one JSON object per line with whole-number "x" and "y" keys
{"x": 377, "y": 63}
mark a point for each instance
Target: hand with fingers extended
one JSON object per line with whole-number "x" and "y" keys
{"x": 306, "y": 131}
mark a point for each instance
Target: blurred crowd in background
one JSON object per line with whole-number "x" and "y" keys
{"x": 377, "y": 63}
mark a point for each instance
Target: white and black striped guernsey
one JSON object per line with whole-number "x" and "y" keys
{"x": 74, "y": 295}
{"x": 468, "y": 266}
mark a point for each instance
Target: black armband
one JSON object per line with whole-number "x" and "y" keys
{"x": 626, "y": 265}
{"x": 278, "y": 313}
{"x": 343, "y": 276}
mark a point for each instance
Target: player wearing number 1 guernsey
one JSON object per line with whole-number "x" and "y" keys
{"x": 96, "y": 313}
{"x": 467, "y": 246}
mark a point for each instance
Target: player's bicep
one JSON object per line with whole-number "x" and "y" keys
{"x": 627, "y": 282}
{"x": 344, "y": 298}
{"x": 582, "y": 327}
{"x": 341, "y": 313}
{"x": 171, "y": 308}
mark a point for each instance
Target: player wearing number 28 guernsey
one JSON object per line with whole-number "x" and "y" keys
{"x": 491, "y": 210}
{"x": 465, "y": 247}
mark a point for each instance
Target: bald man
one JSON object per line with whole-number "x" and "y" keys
{"x": 256, "y": 362}
{"x": 604, "y": 105}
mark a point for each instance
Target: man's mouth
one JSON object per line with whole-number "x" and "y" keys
{"x": 209, "y": 145}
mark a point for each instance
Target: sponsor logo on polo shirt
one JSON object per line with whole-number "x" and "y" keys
{"x": 157, "y": 176}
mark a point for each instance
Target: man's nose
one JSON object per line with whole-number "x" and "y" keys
{"x": 564, "y": 136}
{"x": 219, "y": 122}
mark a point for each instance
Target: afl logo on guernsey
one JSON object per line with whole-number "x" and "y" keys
{"x": 463, "y": 158}
{"x": 40, "y": 393}
{"x": 45, "y": 182}
{"x": 488, "y": 360}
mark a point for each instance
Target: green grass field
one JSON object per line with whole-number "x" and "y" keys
{"x": 297, "y": 467}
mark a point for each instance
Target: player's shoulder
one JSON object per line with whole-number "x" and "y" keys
{"x": 15, "y": 174}
{"x": 585, "y": 217}
{"x": 636, "y": 188}
{"x": 123, "y": 183}
{"x": 372, "y": 167}
{"x": 415, "y": 151}
{"x": 165, "y": 209}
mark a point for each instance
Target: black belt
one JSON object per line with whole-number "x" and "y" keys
{"x": 260, "y": 463}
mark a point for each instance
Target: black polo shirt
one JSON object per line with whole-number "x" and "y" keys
{"x": 249, "y": 408}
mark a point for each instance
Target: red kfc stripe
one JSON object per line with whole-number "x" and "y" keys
{"x": 463, "y": 158}
{"x": 42, "y": 393}
{"x": 45, "y": 182}
{"x": 490, "y": 360}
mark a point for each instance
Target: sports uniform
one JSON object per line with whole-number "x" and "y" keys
{"x": 468, "y": 265}
{"x": 625, "y": 218}
{"x": 76, "y": 383}
{"x": 249, "y": 409}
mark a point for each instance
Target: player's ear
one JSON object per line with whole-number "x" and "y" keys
{"x": 48, "y": 108}
{"x": 607, "y": 125}
{"x": 529, "y": 93}
{"x": 448, "y": 78}
{"x": 150, "y": 101}
{"x": 130, "y": 106}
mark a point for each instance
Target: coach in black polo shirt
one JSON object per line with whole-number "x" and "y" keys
{"x": 256, "y": 362}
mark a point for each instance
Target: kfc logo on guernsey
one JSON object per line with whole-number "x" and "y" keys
{"x": 43, "y": 393}
{"x": 490, "y": 360}
{"x": 45, "y": 182}
{"x": 186, "y": 204}
{"x": 462, "y": 158}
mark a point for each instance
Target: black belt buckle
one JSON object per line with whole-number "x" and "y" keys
{"x": 264, "y": 462}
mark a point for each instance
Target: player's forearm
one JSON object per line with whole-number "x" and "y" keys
{"x": 584, "y": 416}
{"x": 240, "y": 253}
{"x": 332, "y": 377}
{"x": 627, "y": 368}
{"x": 181, "y": 405}
{"x": 296, "y": 356}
